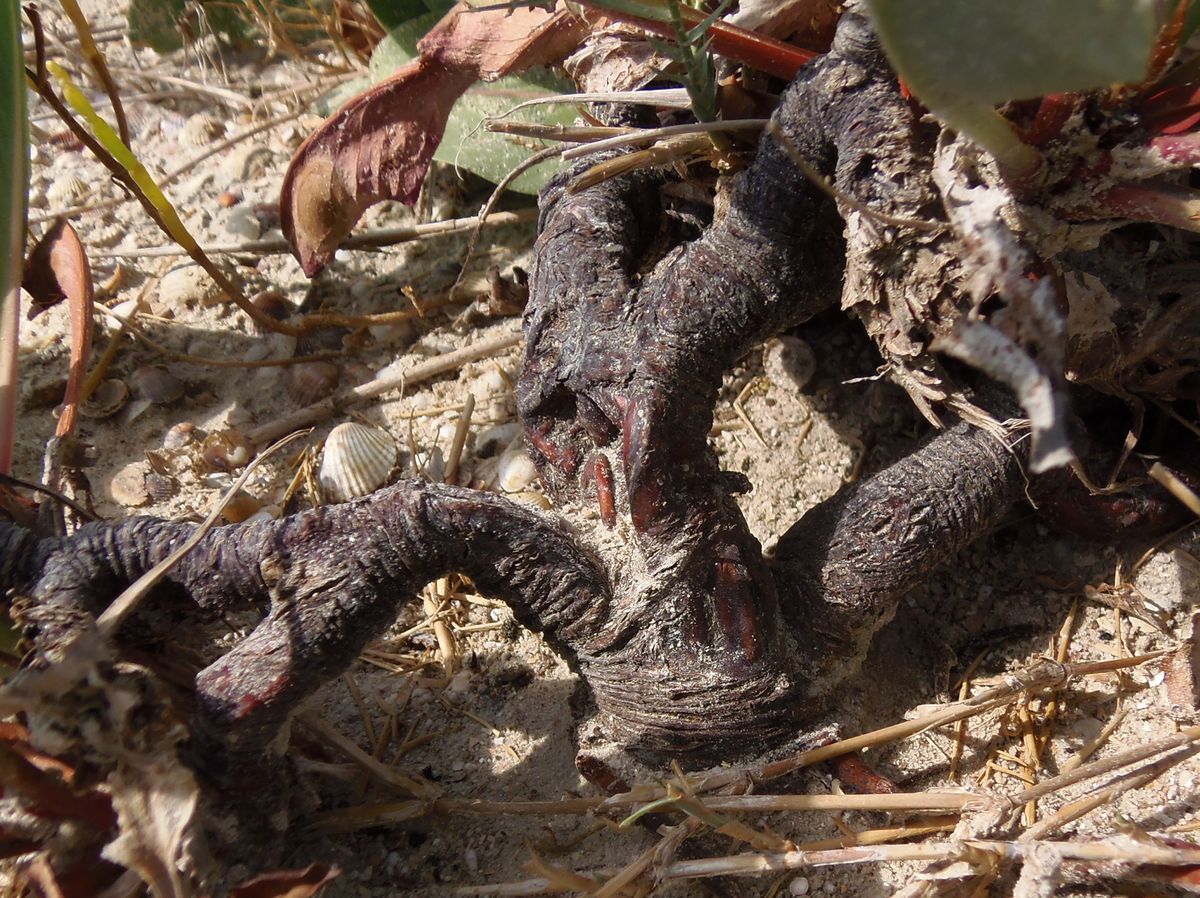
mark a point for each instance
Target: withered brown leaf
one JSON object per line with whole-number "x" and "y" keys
{"x": 378, "y": 146}
{"x": 287, "y": 883}
{"x": 58, "y": 269}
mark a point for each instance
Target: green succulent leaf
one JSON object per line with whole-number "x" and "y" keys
{"x": 465, "y": 144}
{"x": 393, "y": 14}
{"x": 965, "y": 51}
{"x": 962, "y": 57}
{"x": 492, "y": 156}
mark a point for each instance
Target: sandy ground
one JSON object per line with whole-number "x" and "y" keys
{"x": 504, "y": 726}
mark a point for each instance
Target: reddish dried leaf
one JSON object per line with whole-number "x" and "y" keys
{"x": 58, "y": 269}
{"x": 287, "y": 883}
{"x": 85, "y": 878}
{"x": 16, "y": 736}
{"x": 47, "y": 796}
{"x": 376, "y": 147}
{"x": 1182, "y": 878}
{"x": 379, "y": 145}
{"x": 493, "y": 43}
{"x": 859, "y": 778}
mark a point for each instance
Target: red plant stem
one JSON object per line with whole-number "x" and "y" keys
{"x": 759, "y": 52}
{"x": 1167, "y": 42}
{"x": 1179, "y": 208}
{"x": 1177, "y": 149}
{"x": 1048, "y": 123}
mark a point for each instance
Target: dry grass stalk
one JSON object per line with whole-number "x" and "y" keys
{"x": 756, "y": 864}
{"x": 414, "y": 786}
{"x": 417, "y": 373}
{"x": 1041, "y": 675}
{"x": 365, "y": 816}
{"x": 1177, "y": 487}
{"x": 435, "y": 599}
{"x": 1184, "y": 737}
{"x": 960, "y": 728}
{"x": 372, "y": 238}
{"x": 1136, "y": 779}
{"x": 361, "y": 706}
{"x": 1090, "y": 749}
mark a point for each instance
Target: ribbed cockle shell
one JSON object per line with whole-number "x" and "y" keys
{"x": 357, "y": 460}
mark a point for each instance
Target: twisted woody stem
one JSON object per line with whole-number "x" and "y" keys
{"x": 651, "y": 580}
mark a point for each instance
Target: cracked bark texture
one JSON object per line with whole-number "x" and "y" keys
{"x": 690, "y": 640}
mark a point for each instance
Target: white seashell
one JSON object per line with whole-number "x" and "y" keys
{"x": 531, "y": 497}
{"x": 186, "y": 286}
{"x": 357, "y": 460}
{"x": 128, "y": 486}
{"x": 516, "y": 472}
{"x": 107, "y": 399}
{"x": 125, "y": 310}
{"x": 66, "y": 188}
{"x": 789, "y": 361}
{"x": 200, "y": 130}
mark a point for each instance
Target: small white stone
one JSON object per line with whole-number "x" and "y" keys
{"x": 789, "y": 361}
{"x": 186, "y": 286}
{"x": 242, "y": 223}
{"x": 798, "y": 886}
{"x": 128, "y": 485}
{"x": 515, "y": 472}
{"x": 490, "y": 385}
{"x": 471, "y": 860}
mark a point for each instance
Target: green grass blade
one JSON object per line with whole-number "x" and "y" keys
{"x": 14, "y": 177}
{"x": 109, "y": 139}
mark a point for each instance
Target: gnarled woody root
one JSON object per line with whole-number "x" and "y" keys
{"x": 649, "y": 577}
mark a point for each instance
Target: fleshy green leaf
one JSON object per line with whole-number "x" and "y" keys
{"x": 492, "y": 156}
{"x": 399, "y": 45}
{"x": 967, "y": 51}
{"x": 465, "y": 143}
{"x": 1191, "y": 20}
{"x": 392, "y": 14}
{"x": 155, "y": 23}
{"x": 962, "y": 57}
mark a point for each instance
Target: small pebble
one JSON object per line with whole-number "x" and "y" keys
{"x": 186, "y": 286}
{"x": 798, "y": 886}
{"x": 128, "y": 485}
{"x": 242, "y": 223}
{"x": 789, "y": 361}
{"x": 516, "y": 472}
